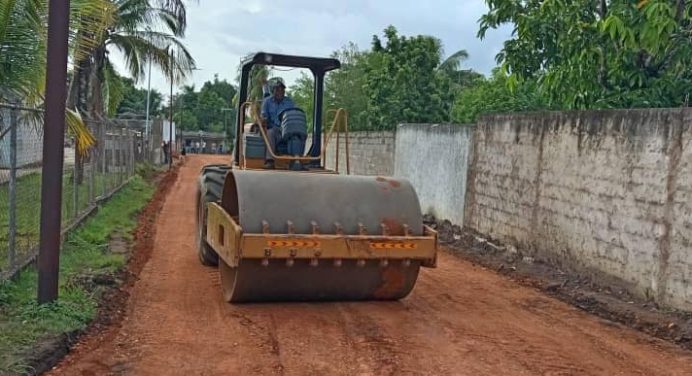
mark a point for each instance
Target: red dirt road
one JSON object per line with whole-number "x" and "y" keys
{"x": 460, "y": 320}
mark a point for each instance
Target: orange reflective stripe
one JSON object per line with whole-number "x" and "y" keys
{"x": 293, "y": 243}
{"x": 393, "y": 245}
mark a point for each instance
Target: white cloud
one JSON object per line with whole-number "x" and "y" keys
{"x": 220, "y": 32}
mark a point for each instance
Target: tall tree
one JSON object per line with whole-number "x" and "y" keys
{"x": 135, "y": 99}
{"x": 208, "y": 111}
{"x": 186, "y": 108}
{"x": 23, "y": 51}
{"x": 143, "y": 32}
{"x": 204, "y": 109}
{"x": 607, "y": 53}
{"x": 403, "y": 83}
{"x": 459, "y": 78}
{"x": 224, "y": 89}
{"x": 302, "y": 93}
{"x": 345, "y": 88}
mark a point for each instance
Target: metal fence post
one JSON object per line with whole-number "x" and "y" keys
{"x": 12, "y": 238}
{"x": 92, "y": 172}
{"x": 75, "y": 196}
{"x": 121, "y": 160}
{"x": 128, "y": 153}
{"x": 111, "y": 159}
{"x": 135, "y": 153}
{"x": 131, "y": 157}
{"x": 102, "y": 156}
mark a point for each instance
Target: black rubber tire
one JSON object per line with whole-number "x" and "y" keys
{"x": 209, "y": 189}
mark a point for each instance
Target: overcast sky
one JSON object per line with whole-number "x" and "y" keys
{"x": 220, "y": 32}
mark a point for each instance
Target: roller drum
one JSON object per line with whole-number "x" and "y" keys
{"x": 285, "y": 202}
{"x": 275, "y": 198}
{"x": 253, "y": 282}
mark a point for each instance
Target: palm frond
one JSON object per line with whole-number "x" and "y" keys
{"x": 453, "y": 62}
{"x": 177, "y": 9}
{"x": 90, "y": 21}
{"x": 132, "y": 14}
{"x": 84, "y": 139}
{"x": 22, "y": 47}
{"x": 113, "y": 89}
{"x": 141, "y": 46}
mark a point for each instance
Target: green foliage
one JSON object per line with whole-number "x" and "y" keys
{"x": 222, "y": 88}
{"x": 22, "y": 48}
{"x": 403, "y": 83}
{"x": 598, "y": 54}
{"x": 135, "y": 99}
{"x": 345, "y": 88}
{"x": 204, "y": 109}
{"x": 145, "y": 32}
{"x": 493, "y": 95}
{"x": 208, "y": 110}
{"x": 401, "y": 80}
{"x": 114, "y": 89}
{"x": 302, "y": 93}
{"x": 85, "y": 254}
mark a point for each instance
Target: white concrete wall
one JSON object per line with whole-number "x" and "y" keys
{"x": 434, "y": 158}
{"x": 608, "y": 191}
{"x": 29, "y": 142}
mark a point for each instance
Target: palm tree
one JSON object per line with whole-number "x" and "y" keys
{"x": 23, "y": 52}
{"x": 459, "y": 78}
{"x": 453, "y": 62}
{"x": 452, "y": 68}
{"x": 258, "y": 76}
{"x": 22, "y": 48}
{"x": 142, "y": 32}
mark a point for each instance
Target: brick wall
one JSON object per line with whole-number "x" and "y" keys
{"x": 609, "y": 191}
{"x": 372, "y": 153}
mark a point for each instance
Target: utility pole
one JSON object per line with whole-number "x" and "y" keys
{"x": 170, "y": 118}
{"x": 146, "y": 126}
{"x": 53, "y": 150}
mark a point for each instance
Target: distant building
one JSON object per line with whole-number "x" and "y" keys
{"x": 29, "y": 141}
{"x": 204, "y": 142}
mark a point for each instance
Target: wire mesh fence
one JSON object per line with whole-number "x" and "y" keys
{"x": 87, "y": 178}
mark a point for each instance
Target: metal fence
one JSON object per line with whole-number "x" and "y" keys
{"x": 87, "y": 179}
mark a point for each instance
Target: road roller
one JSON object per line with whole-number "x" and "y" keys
{"x": 299, "y": 231}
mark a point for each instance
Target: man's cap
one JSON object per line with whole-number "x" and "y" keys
{"x": 276, "y": 84}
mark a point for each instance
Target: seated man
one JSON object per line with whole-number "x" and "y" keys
{"x": 272, "y": 106}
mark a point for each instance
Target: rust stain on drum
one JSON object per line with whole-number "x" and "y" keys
{"x": 392, "y": 182}
{"x": 394, "y": 226}
{"x": 393, "y": 281}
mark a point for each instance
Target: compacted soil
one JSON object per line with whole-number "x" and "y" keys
{"x": 461, "y": 319}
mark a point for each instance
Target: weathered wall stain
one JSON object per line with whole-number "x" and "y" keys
{"x": 606, "y": 191}
{"x": 674, "y": 153}
{"x": 434, "y": 158}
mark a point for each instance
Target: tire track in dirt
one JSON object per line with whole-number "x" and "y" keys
{"x": 461, "y": 319}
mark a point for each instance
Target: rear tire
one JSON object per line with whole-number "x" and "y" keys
{"x": 209, "y": 189}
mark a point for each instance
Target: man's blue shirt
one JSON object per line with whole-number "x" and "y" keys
{"x": 271, "y": 110}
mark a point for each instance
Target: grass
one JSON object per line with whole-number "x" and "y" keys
{"x": 29, "y": 206}
{"x": 85, "y": 254}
